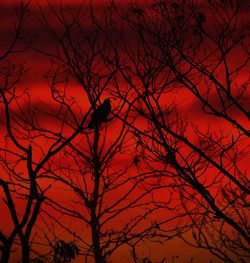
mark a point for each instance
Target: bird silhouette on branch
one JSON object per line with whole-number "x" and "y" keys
{"x": 100, "y": 115}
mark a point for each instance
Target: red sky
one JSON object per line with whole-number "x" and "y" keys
{"x": 34, "y": 80}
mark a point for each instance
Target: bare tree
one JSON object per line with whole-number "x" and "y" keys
{"x": 115, "y": 202}
{"x": 10, "y": 75}
{"x": 148, "y": 170}
{"x": 168, "y": 49}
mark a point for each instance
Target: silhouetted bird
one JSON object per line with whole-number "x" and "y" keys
{"x": 100, "y": 114}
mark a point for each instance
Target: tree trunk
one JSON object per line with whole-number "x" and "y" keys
{"x": 5, "y": 253}
{"x": 96, "y": 241}
{"x": 25, "y": 250}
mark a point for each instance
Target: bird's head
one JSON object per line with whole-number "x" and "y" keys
{"x": 106, "y": 101}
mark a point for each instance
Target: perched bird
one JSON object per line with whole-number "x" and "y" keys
{"x": 100, "y": 114}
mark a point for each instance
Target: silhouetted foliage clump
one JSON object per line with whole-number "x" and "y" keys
{"x": 65, "y": 252}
